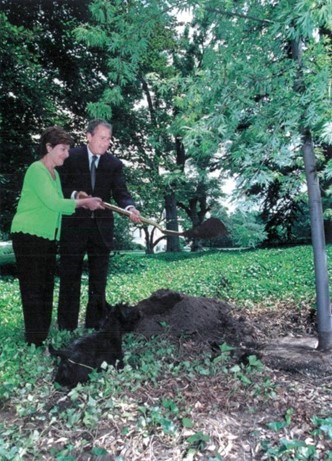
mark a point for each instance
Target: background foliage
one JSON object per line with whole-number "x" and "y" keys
{"x": 197, "y": 92}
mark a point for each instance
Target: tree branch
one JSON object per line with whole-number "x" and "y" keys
{"x": 238, "y": 15}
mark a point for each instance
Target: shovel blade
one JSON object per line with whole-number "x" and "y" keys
{"x": 209, "y": 229}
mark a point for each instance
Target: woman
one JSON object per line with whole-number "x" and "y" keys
{"x": 36, "y": 228}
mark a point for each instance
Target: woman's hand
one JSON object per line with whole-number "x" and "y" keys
{"x": 81, "y": 194}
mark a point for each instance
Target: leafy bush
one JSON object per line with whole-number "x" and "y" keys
{"x": 247, "y": 230}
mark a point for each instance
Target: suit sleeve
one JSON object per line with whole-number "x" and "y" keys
{"x": 119, "y": 188}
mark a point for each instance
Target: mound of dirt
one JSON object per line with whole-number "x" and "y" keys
{"x": 285, "y": 345}
{"x": 206, "y": 319}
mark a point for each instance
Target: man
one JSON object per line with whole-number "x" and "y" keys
{"x": 89, "y": 170}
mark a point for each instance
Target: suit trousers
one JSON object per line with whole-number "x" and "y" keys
{"x": 76, "y": 242}
{"x": 36, "y": 262}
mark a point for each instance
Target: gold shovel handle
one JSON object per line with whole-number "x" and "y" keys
{"x": 143, "y": 220}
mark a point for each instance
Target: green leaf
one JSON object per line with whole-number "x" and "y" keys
{"x": 276, "y": 425}
{"x": 198, "y": 437}
{"x": 97, "y": 451}
{"x": 187, "y": 423}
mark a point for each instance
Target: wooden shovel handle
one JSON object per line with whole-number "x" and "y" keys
{"x": 144, "y": 220}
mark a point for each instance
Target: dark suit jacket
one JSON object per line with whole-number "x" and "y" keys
{"x": 110, "y": 184}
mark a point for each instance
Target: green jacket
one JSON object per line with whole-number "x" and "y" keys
{"x": 41, "y": 205}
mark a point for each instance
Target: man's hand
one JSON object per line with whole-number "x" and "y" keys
{"x": 135, "y": 215}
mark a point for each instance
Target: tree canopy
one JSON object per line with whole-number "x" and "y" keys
{"x": 197, "y": 92}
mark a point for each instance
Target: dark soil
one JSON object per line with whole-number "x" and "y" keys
{"x": 283, "y": 338}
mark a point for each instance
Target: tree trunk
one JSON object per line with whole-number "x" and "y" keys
{"x": 324, "y": 317}
{"x": 173, "y": 243}
{"x": 148, "y": 241}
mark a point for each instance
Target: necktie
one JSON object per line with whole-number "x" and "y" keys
{"x": 93, "y": 171}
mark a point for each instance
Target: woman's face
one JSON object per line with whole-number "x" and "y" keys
{"x": 58, "y": 153}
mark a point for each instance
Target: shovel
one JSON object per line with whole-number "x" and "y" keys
{"x": 210, "y": 228}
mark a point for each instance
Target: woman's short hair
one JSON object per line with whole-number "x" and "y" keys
{"x": 54, "y": 135}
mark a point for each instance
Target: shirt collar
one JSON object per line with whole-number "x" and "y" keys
{"x": 91, "y": 155}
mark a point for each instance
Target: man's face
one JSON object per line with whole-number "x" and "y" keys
{"x": 99, "y": 141}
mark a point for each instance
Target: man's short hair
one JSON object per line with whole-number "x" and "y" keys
{"x": 92, "y": 125}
